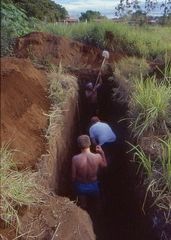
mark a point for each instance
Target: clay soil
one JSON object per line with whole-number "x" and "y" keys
{"x": 24, "y": 102}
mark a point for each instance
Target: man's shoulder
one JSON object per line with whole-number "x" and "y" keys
{"x": 75, "y": 157}
{"x": 94, "y": 125}
{"x": 96, "y": 155}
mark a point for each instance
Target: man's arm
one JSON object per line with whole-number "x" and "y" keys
{"x": 93, "y": 140}
{"x": 103, "y": 162}
{"x": 73, "y": 169}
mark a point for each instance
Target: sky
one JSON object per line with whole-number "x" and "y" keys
{"x": 105, "y": 7}
{"x": 75, "y": 7}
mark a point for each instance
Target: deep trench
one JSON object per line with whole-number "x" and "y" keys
{"x": 120, "y": 216}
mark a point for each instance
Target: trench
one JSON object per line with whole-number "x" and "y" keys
{"x": 120, "y": 216}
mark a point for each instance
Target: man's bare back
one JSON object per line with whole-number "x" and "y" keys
{"x": 84, "y": 170}
{"x": 85, "y": 165}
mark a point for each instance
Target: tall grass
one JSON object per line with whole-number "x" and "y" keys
{"x": 18, "y": 188}
{"x": 143, "y": 41}
{"x": 158, "y": 174}
{"x": 143, "y": 160}
{"x": 150, "y": 106}
{"x": 166, "y": 163}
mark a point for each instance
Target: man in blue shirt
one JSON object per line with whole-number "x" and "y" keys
{"x": 102, "y": 134}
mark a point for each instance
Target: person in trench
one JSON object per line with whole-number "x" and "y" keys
{"x": 102, "y": 134}
{"x": 91, "y": 98}
{"x": 85, "y": 167}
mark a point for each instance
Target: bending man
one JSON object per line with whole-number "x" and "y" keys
{"x": 85, "y": 168}
{"x": 102, "y": 134}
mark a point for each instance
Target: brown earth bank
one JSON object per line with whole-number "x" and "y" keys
{"x": 58, "y": 219}
{"x": 55, "y": 218}
{"x": 46, "y": 48}
{"x": 24, "y": 103}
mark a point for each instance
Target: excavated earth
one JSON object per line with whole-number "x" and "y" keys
{"x": 24, "y": 108}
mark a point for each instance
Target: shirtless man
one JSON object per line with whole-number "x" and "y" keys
{"x": 85, "y": 168}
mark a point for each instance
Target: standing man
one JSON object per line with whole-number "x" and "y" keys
{"x": 102, "y": 134}
{"x": 85, "y": 168}
{"x": 91, "y": 98}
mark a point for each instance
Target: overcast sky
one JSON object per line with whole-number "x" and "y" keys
{"x": 75, "y": 7}
{"x": 105, "y": 7}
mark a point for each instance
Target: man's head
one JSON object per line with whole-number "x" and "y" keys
{"x": 83, "y": 141}
{"x": 89, "y": 86}
{"x": 94, "y": 120}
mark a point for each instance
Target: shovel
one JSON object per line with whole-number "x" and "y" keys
{"x": 105, "y": 55}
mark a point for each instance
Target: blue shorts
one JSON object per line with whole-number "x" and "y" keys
{"x": 87, "y": 188}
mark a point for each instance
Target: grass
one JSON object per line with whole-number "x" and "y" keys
{"x": 130, "y": 67}
{"x": 134, "y": 40}
{"x": 62, "y": 87}
{"x": 18, "y": 188}
{"x": 150, "y": 107}
{"x": 144, "y": 161}
{"x": 166, "y": 162}
{"x": 124, "y": 71}
{"x": 158, "y": 175}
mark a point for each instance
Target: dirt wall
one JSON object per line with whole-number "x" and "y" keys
{"x": 24, "y": 103}
{"x": 24, "y": 123}
{"x": 55, "y": 165}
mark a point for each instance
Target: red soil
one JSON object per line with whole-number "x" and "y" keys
{"x": 48, "y": 48}
{"x": 23, "y": 104}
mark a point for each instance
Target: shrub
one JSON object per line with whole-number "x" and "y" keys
{"x": 14, "y": 23}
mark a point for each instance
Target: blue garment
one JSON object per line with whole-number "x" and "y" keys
{"x": 102, "y": 133}
{"x": 87, "y": 188}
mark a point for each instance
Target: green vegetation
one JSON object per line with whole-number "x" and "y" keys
{"x": 144, "y": 41}
{"x": 143, "y": 161}
{"x": 125, "y": 7}
{"x": 14, "y": 22}
{"x": 90, "y": 15}
{"x": 158, "y": 175}
{"x": 130, "y": 67}
{"x": 21, "y": 17}
{"x": 150, "y": 108}
{"x": 18, "y": 188}
{"x": 45, "y": 10}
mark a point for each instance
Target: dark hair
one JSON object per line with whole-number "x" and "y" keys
{"x": 83, "y": 141}
{"x": 94, "y": 119}
{"x": 89, "y": 85}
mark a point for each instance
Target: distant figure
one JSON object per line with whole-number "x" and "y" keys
{"x": 102, "y": 134}
{"x": 85, "y": 168}
{"x": 91, "y": 98}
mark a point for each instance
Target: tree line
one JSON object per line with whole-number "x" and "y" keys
{"x": 44, "y": 10}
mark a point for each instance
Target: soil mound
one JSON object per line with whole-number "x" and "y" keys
{"x": 46, "y": 48}
{"x": 58, "y": 219}
{"x": 23, "y": 104}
